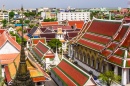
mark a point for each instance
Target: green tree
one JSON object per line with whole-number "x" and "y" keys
{"x": 54, "y": 43}
{"x": 11, "y": 14}
{"x": 27, "y": 14}
{"x": 109, "y": 77}
{"x": 31, "y": 25}
{"x": 4, "y": 22}
{"x": 27, "y": 21}
{"x": 32, "y": 14}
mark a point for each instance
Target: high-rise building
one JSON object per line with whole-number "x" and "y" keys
{"x": 61, "y": 16}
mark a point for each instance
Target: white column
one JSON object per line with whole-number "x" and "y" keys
{"x": 116, "y": 70}
{"x": 69, "y": 51}
{"x": 128, "y": 76}
{"x": 124, "y": 76}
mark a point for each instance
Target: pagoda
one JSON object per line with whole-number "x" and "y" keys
{"x": 22, "y": 77}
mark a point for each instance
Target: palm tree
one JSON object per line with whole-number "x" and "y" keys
{"x": 109, "y": 77}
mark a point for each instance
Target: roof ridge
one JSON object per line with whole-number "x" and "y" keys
{"x": 66, "y": 76}
{"x": 12, "y": 40}
{"x": 108, "y": 20}
{"x": 5, "y": 37}
{"x": 39, "y": 51}
{"x": 76, "y": 67}
{"x": 97, "y": 43}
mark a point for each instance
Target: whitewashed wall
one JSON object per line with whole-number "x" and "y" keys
{"x": 8, "y": 48}
{"x": 87, "y": 68}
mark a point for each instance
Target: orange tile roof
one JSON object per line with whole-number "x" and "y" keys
{"x": 36, "y": 72}
{"x": 37, "y": 79}
{"x": 63, "y": 77}
{"x": 36, "y": 40}
{"x": 48, "y": 23}
{"x": 26, "y": 37}
{"x": 2, "y": 30}
{"x": 7, "y": 74}
{"x": 74, "y": 73}
{"x": 7, "y": 58}
{"x": 14, "y": 43}
{"x": 79, "y": 24}
{"x": 3, "y": 39}
{"x": 14, "y": 38}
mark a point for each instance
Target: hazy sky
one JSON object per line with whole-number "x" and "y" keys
{"x": 11, "y": 4}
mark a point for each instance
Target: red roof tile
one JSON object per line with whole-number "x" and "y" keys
{"x": 37, "y": 52}
{"x": 90, "y": 44}
{"x": 120, "y": 52}
{"x": 36, "y": 40}
{"x": 106, "y": 52}
{"x": 112, "y": 46}
{"x": 2, "y": 30}
{"x": 115, "y": 60}
{"x": 7, "y": 74}
{"x": 14, "y": 38}
{"x": 14, "y": 43}
{"x": 72, "y": 72}
{"x": 122, "y": 33}
{"x": 3, "y": 39}
{"x": 106, "y": 28}
{"x": 95, "y": 38}
{"x": 63, "y": 27}
{"x": 126, "y": 42}
{"x": 49, "y": 56}
{"x": 40, "y": 46}
{"x": 48, "y": 23}
{"x": 7, "y": 58}
{"x": 38, "y": 79}
{"x": 63, "y": 77}
{"x": 79, "y": 24}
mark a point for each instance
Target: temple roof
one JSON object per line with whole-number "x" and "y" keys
{"x": 36, "y": 40}
{"x": 111, "y": 38}
{"x": 2, "y": 30}
{"x": 71, "y": 75}
{"x": 43, "y": 51}
{"x": 71, "y": 35}
{"x": 32, "y": 30}
{"x": 7, "y": 58}
{"x": 36, "y": 73}
{"x": 48, "y": 36}
{"x": 4, "y": 37}
{"x": 48, "y": 23}
{"x": 78, "y": 24}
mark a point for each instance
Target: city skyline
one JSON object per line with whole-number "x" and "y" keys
{"x": 63, "y": 4}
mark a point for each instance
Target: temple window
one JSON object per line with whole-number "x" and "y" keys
{"x": 93, "y": 63}
{"x": 98, "y": 65}
{"x": 88, "y": 61}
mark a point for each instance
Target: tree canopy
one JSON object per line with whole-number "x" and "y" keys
{"x": 27, "y": 21}
{"x": 11, "y": 14}
{"x": 4, "y": 22}
{"x": 109, "y": 77}
{"x": 50, "y": 20}
{"x": 54, "y": 43}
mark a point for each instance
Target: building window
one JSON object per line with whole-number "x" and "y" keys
{"x": 103, "y": 68}
{"x": 93, "y": 63}
{"x": 88, "y": 61}
{"x": 98, "y": 65}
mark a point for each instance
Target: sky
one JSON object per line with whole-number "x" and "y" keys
{"x": 16, "y": 4}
